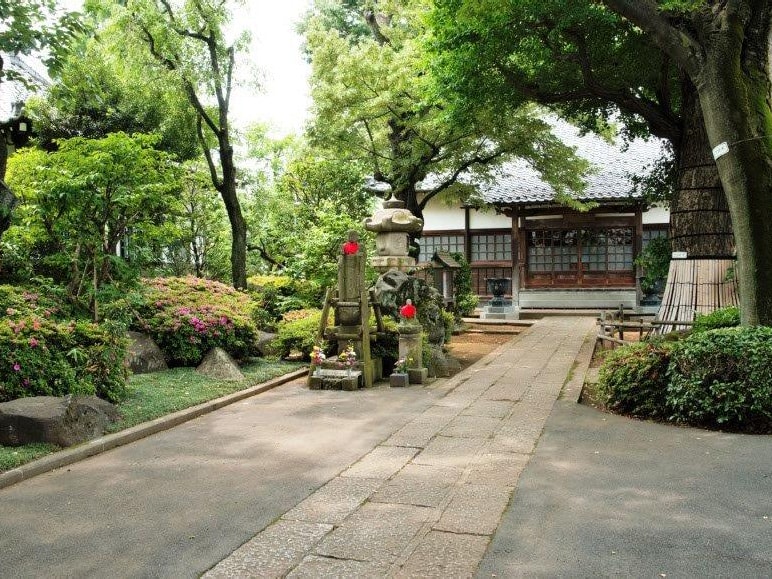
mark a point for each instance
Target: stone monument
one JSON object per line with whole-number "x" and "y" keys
{"x": 351, "y": 305}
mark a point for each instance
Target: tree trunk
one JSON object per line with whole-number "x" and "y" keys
{"x": 8, "y": 200}
{"x": 734, "y": 90}
{"x": 236, "y": 218}
{"x": 700, "y": 224}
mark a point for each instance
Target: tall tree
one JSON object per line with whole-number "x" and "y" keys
{"x": 82, "y": 200}
{"x": 374, "y": 103}
{"x": 598, "y": 69}
{"x": 32, "y": 26}
{"x": 109, "y": 83}
{"x": 723, "y": 46}
{"x": 188, "y": 38}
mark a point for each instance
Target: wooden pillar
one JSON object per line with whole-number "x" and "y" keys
{"x": 515, "y": 216}
{"x": 637, "y": 249}
{"x": 467, "y": 235}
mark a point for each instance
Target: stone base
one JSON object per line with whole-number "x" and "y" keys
{"x": 335, "y": 380}
{"x": 383, "y": 263}
{"x": 399, "y": 380}
{"x": 500, "y": 313}
{"x": 417, "y": 375}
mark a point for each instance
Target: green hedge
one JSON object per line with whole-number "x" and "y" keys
{"x": 298, "y": 331}
{"x": 728, "y": 317}
{"x": 633, "y": 379}
{"x": 189, "y": 316}
{"x": 719, "y": 379}
{"x": 723, "y": 378}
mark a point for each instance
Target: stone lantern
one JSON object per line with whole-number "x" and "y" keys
{"x": 392, "y": 226}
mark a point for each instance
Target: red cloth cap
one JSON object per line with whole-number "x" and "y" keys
{"x": 407, "y": 311}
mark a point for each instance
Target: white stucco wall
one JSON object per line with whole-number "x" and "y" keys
{"x": 488, "y": 220}
{"x": 656, "y": 215}
{"x": 439, "y": 217}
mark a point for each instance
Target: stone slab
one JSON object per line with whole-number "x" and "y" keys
{"x": 471, "y": 427}
{"x": 497, "y": 467}
{"x": 377, "y": 533}
{"x": 420, "y": 485}
{"x": 489, "y": 408}
{"x": 449, "y": 452}
{"x": 334, "y": 501}
{"x": 272, "y": 553}
{"x": 475, "y": 509}
{"x": 315, "y": 567}
{"x": 417, "y": 433}
{"x": 382, "y": 462}
{"x": 444, "y": 555}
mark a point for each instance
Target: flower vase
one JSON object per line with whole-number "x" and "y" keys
{"x": 348, "y": 372}
{"x": 317, "y": 370}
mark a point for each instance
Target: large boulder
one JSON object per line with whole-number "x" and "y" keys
{"x": 219, "y": 365}
{"x": 144, "y": 356}
{"x": 394, "y": 288}
{"x": 441, "y": 364}
{"x": 62, "y": 421}
{"x": 265, "y": 344}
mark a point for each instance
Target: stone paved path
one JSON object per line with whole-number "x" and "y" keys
{"x": 427, "y": 500}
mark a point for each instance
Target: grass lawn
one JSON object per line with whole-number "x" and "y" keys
{"x": 154, "y": 395}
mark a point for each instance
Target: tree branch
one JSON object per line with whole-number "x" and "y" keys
{"x": 680, "y": 46}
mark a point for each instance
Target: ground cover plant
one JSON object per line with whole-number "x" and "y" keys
{"x": 151, "y": 396}
{"x": 712, "y": 378}
{"x": 188, "y": 316}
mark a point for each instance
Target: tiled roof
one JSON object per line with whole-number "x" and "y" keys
{"x": 12, "y": 92}
{"x": 518, "y": 183}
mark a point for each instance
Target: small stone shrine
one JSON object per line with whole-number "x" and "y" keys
{"x": 351, "y": 303}
{"x": 410, "y": 344}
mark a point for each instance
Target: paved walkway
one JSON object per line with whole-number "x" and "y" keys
{"x": 605, "y": 496}
{"x": 378, "y": 482}
{"x": 427, "y": 500}
{"x": 414, "y": 482}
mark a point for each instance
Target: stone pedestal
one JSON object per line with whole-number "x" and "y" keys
{"x": 502, "y": 310}
{"x": 418, "y": 375}
{"x": 335, "y": 380}
{"x": 410, "y": 348}
{"x": 399, "y": 380}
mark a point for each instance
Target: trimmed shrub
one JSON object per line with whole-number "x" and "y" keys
{"x": 464, "y": 299}
{"x": 188, "y": 316}
{"x": 633, "y": 379}
{"x": 298, "y": 331}
{"x": 275, "y": 295}
{"x": 43, "y": 357}
{"x": 723, "y": 379}
{"x": 722, "y": 318}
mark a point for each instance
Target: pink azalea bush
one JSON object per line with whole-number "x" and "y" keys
{"x": 188, "y": 316}
{"x": 41, "y": 355}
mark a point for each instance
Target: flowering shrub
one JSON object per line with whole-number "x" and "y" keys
{"x": 189, "y": 316}
{"x": 43, "y": 357}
